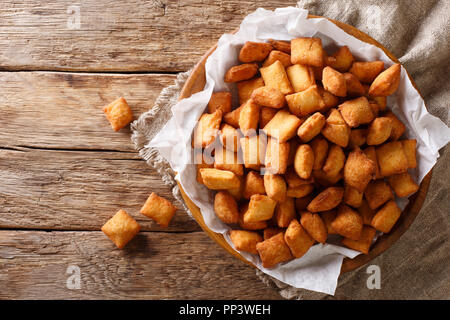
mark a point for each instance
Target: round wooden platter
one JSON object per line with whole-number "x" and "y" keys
{"x": 196, "y": 83}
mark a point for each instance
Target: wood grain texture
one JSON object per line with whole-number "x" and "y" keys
{"x": 151, "y": 266}
{"x": 156, "y": 35}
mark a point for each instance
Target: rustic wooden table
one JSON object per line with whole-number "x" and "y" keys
{"x": 64, "y": 172}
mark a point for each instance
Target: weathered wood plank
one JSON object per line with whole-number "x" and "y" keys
{"x": 70, "y": 190}
{"x": 157, "y": 35}
{"x": 64, "y": 110}
{"x": 152, "y": 266}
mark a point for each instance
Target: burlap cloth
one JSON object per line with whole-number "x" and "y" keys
{"x": 417, "y": 32}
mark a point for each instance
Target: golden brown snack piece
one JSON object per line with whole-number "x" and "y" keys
{"x": 356, "y": 112}
{"x": 362, "y": 244}
{"x": 386, "y": 217}
{"x": 225, "y": 159}
{"x": 269, "y": 97}
{"x": 403, "y": 184}
{"x": 265, "y": 115}
{"x": 229, "y": 137}
{"x": 386, "y": 83}
{"x": 307, "y": 51}
{"x": 275, "y": 55}
{"x": 283, "y": 126}
{"x": 379, "y": 131}
{"x": 352, "y": 196}
{"x": 159, "y": 209}
{"x": 298, "y": 240}
{"x": 322, "y": 178}
{"x": 343, "y": 59}
{"x": 304, "y": 161}
{"x": 284, "y": 46}
{"x": 358, "y": 170}
{"x": 225, "y": 207}
{"x": 311, "y": 127}
{"x": 245, "y": 240}
{"x": 237, "y": 193}
{"x": 285, "y": 212}
{"x": 207, "y": 129}
{"x": 232, "y": 118}
{"x": 275, "y": 76}
{"x": 380, "y": 101}
{"x": 121, "y": 228}
{"x": 246, "y": 88}
{"x": 293, "y": 180}
{"x": 201, "y": 162}
{"x": 249, "y": 118}
{"x": 328, "y": 199}
{"x": 354, "y": 87}
{"x": 253, "y": 184}
{"x": 375, "y": 108}
{"x": 302, "y": 203}
{"x": 367, "y": 71}
{"x": 357, "y": 137}
{"x": 348, "y": 223}
{"x": 300, "y": 76}
{"x": 275, "y": 187}
{"x": 336, "y": 129}
{"x": 377, "y": 193}
{"x": 260, "y": 208}
{"x": 409, "y": 148}
{"x": 314, "y": 225}
{"x": 273, "y": 251}
{"x": 300, "y": 191}
{"x": 320, "y": 149}
{"x": 118, "y": 113}
{"x": 258, "y": 225}
{"x": 328, "y": 217}
{"x": 329, "y": 99}
{"x": 334, "y": 82}
{"x": 277, "y": 154}
{"x": 241, "y": 72}
{"x": 365, "y": 212}
{"x": 215, "y": 179}
{"x": 253, "y": 151}
{"x": 372, "y": 155}
{"x": 391, "y": 158}
{"x": 254, "y": 51}
{"x": 305, "y": 102}
{"x": 220, "y": 100}
{"x": 272, "y": 231}
{"x": 335, "y": 160}
{"x": 398, "y": 128}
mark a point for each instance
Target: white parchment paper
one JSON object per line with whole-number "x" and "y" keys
{"x": 319, "y": 268}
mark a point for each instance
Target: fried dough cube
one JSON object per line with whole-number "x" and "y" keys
{"x": 225, "y": 207}
{"x": 391, "y": 158}
{"x": 328, "y": 217}
{"x": 328, "y": 199}
{"x": 314, "y": 225}
{"x": 285, "y": 212}
{"x": 216, "y": 179}
{"x": 275, "y": 55}
{"x": 293, "y": 180}
{"x": 329, "y": 99}
{"x": 159, "y": 209}
{"x": 232, "y": 118}
{"x": 253, "y": 184}
{"x": 398, "y": 128}
{"x": 284, "y": 46}
{"x": 265, "y": 115}
{"x": 258, "y": 225}
{"x": 377, "y": 193}
{"x": 118, "y": 113}
{"x": 380, "y": 101}
{"x": 249, "y": 118}
{"x": 275, "y": 76}
{"x": 387, "y": 82}
{"x": 200, "y": 162}
{"x": 283, "y": 126}
{"x": 207, "y": 128}
{"x": 227, "y": 160}
{"x": 379, "y": 131}
{"x": 352, "y": 196}
{"x": 272, "y": 231}
{"x": 269, "y": 97}
{"x": 403, "y": 184}
{"x": 305, "y": 102}
{"x": 320, "y": 149}
{"x": 277, "y": 154}
{"x": 367, "y": 71}
{"x": 356, "y": 112}
{"x": 260, "y": 208}
{"x": 300, "y": 76}
{"x": 311, "y": 127}
{"x": 307, "y": 51}
{"x": 372, "y": 155}
{"x": 357, "y": 137}
{"x": 274, "y": 251}
{"x": 300, "y": 191}
{"x": 246, "y": 88}
{"x": 302, "y": 203}
{"x": 409, "y": 148}
{"x": 237, "y": 193}
{"x": 275, "y": 187}
{"x": 334, "y": 82}
{"x": 336, "y": 129}
{"x": 253, "y": 150}
{"x": 241, "y": 72}
{"x": 354, "y": 87}
{"x": 245, "y": 240}
{"x": 220, "y": 100}
{"x": 386, "y": 217}
{"x": 335, "y": 160}
{"x": 348, "y": 223}
{"x": 229, "y": 137}
{"x": 362, "y": 244}
{"x": 254, "y": 51}
{"x": 343, "y": 59}
{"x": 358, "y": 170}
{"x": 324, "y": 179}
{"x": 365, "y": 212}
{"x": 298, "y": 240}
{"x": 121, "y": 228}
{"x": 304, "y": 161}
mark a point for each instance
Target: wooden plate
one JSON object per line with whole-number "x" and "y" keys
{"x": 196, "y": 82}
